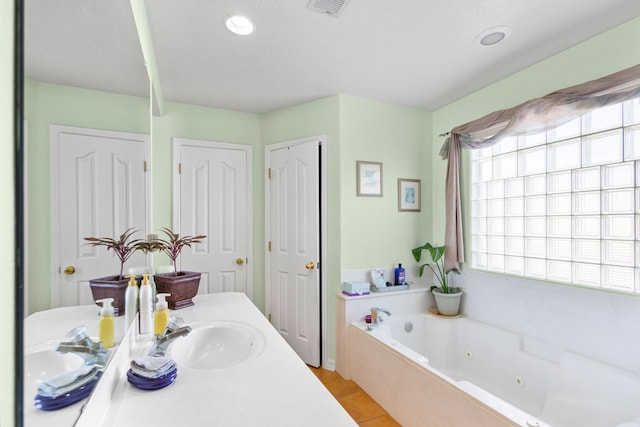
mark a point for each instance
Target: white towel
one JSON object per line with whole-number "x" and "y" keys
{"x": 68, "y": 381}
{"x": 152, "y": 367}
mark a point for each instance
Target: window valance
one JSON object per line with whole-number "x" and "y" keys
{"x": 534, "y": 116}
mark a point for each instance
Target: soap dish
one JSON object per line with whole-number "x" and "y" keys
{"x": 152, "y": 383}
{"x": 47, "y": 403}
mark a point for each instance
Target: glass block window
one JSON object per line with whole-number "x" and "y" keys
{"x": 562, "y": 205}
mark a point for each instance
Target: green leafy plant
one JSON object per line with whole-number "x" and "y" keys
{"x": 172, "y": 245}
{"x": 123, "y": 247}
{"x": 437, "y": 265}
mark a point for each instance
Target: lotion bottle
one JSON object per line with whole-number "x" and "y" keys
{"x": 131, "y": 302}
{"x": 107, "y": 322}
{"x": 146, "y": 306}
{"x": 161, "y": 315}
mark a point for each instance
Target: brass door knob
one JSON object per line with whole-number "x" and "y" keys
{"x": 310, "y": 265}
{"x": 240, "y": 261}
{"x": 70, "y": 269}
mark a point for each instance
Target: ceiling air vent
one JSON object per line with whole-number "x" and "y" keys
{"x": 328, "y": 7}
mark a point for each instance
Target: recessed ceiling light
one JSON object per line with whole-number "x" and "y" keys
{"x": 492, "y": 36}
{"x": 240, "y": 25}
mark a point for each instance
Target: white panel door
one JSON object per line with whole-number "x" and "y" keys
{"x": 214, "y": 200}
{"x": 100, "y": 190}
{"x": 294, "y": 255}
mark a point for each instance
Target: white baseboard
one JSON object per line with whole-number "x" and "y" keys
{"x": 330, "y": 365}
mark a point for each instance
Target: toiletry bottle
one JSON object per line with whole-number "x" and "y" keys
{"x": 146, "y": 306}
{"x": 130, "y": 302}
{"x": 107, "y": 322}
{"x": 161, "y": 315}
{"x": 399, "y": 275}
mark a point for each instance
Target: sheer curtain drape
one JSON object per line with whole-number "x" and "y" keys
{"x": 534, "y": 116}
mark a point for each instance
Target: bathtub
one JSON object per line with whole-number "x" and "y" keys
{"x": 426, "y": 370}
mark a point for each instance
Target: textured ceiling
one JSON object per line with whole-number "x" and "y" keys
{"x": 413, "y": 52}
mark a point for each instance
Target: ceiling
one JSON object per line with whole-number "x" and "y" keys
{"x": 417, "y": 53}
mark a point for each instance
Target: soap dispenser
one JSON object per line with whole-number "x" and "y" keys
{"x": 131, "y": 301}
{"x": 161, "y": 315}
{"x": 146, "y": 306}
{"x": 107, "y": 322}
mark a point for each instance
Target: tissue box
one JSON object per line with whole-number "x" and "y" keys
{"x": 355, "y": 288}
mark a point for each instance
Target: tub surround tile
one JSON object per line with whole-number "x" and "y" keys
{"x": 412, "y": 395}
{"x": 353, "y": 309}
{"x": 591, "y": 322}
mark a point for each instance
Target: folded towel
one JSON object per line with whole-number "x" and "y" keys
{"x": 152, "y": 367}
{"x": 68, "y": 381}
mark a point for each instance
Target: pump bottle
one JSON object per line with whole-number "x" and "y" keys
{"x": 146, "y": 306}
{"x": 161, "y": 315}
{"x": 131, "y": 302}
{"x": 107, "y": 322}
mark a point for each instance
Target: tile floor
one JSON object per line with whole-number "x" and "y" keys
{"x": 362, "y": 408}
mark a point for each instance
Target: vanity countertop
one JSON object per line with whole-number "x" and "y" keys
{"x": 43, "y": 330}
{"x": 274, "y": 389}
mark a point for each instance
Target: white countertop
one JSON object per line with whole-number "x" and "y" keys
{"x": 274, "y": 389}
{"x": 44, "y": 330}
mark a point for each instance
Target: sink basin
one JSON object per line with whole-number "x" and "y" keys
{"x": 42, "y": 362}
{"x": 217, "y": 345}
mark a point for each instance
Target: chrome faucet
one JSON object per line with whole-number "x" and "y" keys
{"x": 173, "y": 331}
{"x": 80, "y": 344}
{"x": 375, "y": 315}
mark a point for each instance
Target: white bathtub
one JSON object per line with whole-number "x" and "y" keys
{"x": 426, "y": 370}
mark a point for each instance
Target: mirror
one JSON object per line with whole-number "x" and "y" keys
{"x": 80, "y": 73}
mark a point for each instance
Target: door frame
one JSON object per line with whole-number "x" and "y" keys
{"x": 54, "y": 161}
{"x": 178, "y": 143}
{"x": 323, "y": 146}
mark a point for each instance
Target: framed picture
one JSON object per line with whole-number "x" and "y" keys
{"x": 369, "y": 178}
{"x": 408, "y": 195}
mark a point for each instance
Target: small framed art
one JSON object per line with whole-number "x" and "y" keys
{"x": 369, "y": 178}
{"x": 408, "y": 195}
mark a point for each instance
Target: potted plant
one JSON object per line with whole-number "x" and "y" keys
{"x": 447, "y": 297}
{"x": 115, "y": 286}
{"x": 182, "y": 285}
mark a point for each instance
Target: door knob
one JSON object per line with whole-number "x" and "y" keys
{"x": 240, "y": 261}
{"x": 70, "y": 269}
{"x": 310, "y": 265}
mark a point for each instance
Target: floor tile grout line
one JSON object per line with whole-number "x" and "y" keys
{"x": 337, "y": 378}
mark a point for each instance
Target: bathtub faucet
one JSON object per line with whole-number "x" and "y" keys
{"x": 375, "y": 315}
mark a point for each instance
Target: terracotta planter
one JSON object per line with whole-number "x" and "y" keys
{"x": 110, "y": 287}
{"x": 182, "y": 286}
{"x": 448, "y": 304}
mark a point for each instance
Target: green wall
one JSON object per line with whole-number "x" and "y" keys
{"x": 364, "y": 232}
{"x": 48, "y": 104}
{"x": 320, "y": 117}
{"x": 45, "y": 105}
{"x": 7, "y": 217}
{"x": 374, "y": 233}
{"x": 210, "y": 124}
{"x": 607, "y": 53}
